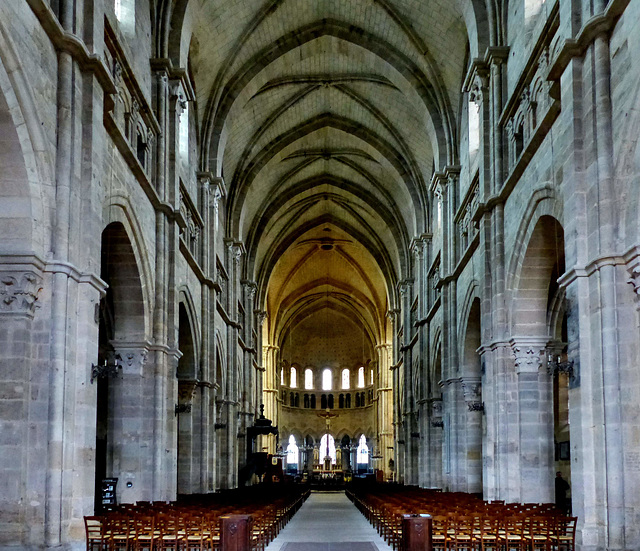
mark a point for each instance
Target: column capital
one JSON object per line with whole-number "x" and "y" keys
{"x": 404, "y": 286}
{"x": 528, "y": 353}
{"x": 419, "y": 244}
{"x": 476, "y": 83}
{"x": 472, "y": 388}
{"x": 19, "y": 290}
{"x": 261, "y": 316}
{"x": 438, "y": 184}
{"x": 393, "y": 314}
{"x": 133, "y": 355}
{"x": 632, "y": 260}
{"x": 236, "y": 249}
{"x": 251, "y": 288}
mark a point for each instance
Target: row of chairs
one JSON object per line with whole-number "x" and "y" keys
{"x": 193, "y": 526}
{"x": 464, "y": 522}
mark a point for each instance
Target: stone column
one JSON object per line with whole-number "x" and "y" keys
{"x": 270, "y": 395}
{"x": 420, "y": 249}
{"x": 259, "y": 393}
{"x": 385, "y": 406}
{"x": 130, "y": 452}
{"x": 24, "y": 380}
{"x": 207, "y": 348}
{"x": 436, "y": 437}
{"x": 535, "y": 420}
{"x": 395, "y": 379}
{"x": 234, "y": 365}
{"x": 472, "y": 411}
{"x": 408, "y": 412}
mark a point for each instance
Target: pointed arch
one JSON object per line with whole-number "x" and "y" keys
{"x": 22, "y": 157}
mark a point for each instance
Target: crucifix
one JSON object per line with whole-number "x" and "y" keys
{"x": 327, "y": 416}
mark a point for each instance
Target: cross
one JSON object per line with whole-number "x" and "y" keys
{"x": 327, "y": 417}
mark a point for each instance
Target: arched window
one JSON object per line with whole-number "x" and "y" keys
{"x": 282, "y": 376}
{"x": 362, "y": 454}
{"x": 531, "y": 9}
{"x": 361, "y": 377}
{"x": 347, "y": 401}
{"x": 313, "y": 401}
{"x": 341, "y": 401}
{"x": 308, "y": 379}
{"x": 125, "y": 11}
{"x": 323, "y": 401}
{"x": 326, "y": 380}
{"x": 474, "y": 128}
{"x": 306, "y": 401}
{"x": 371, "y": 376}
{"x": 330, "y": 401}
{"x": 293, "y": 382}
{"x": 292, "y": 451}
{"x": 345, "y": 379}
{"x": 327, "y": 448}
{"x": 184, "y": 133}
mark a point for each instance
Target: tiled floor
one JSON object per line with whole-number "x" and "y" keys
{"x": 328, "y": 518}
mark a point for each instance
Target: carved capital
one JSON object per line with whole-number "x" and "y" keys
{"x": 392, "y": 315}
{"x": 632, "y": 258}
{"x": 19, "y": 292}
{"x": 235, "y": 250}
{"x": 404, "y": 287}
{"x": 133, "y": 357}
{"x": 251, "y": 287}
{"x": 477, "y": 82}
{"x": 472, "y": 389}
{"x": 528, "y": 354}
{"x": 187, "y": 390}
{"x": 261, "y": 316}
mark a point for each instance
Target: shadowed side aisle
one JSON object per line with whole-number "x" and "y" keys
{"x": 328, "y": 522}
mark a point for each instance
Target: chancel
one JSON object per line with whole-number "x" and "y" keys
{"x": 251, "y": 249}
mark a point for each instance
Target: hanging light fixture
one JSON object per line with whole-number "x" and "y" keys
{"x": 102, "y": 371}
{"x": 555, "y": 362}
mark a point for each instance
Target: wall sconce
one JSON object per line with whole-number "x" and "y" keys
{"x": 556, "y": 365}
{"x": 183, "y": 408}
{"x": 101, "y": 371}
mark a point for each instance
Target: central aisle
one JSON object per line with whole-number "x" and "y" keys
{"x": 324, "y": 523}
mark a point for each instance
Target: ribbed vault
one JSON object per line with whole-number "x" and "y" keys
{"x": 326, "y": 121}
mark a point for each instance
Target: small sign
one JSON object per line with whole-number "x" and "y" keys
{"x": 108, "y": 492}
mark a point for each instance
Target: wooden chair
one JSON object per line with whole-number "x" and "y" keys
{"x": 120, "y": 532}
{"x": 514, "y": 533}
{"x": 537, "y": 533}
{"x": 97, "y": 540}
{"x": 171, "y": 535}
{"x": 490, "y": 536}
{"x": 440, "y": 532}
{"x": 563, "y": 533}
{"x": 462, "y": 538}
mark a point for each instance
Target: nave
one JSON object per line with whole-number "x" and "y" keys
{"x": 328, "y": 521}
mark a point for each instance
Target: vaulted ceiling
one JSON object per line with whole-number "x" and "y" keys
{"x": 326, "y": 119}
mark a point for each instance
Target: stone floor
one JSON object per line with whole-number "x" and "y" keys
{"x": 328, "y": 521}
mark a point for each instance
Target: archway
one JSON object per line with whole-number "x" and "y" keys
{"x": 124, "y": 442}
{"x": 293, "y": 456}
{"x": 535, "y": 298}
{"x": 471, "y": 414}
{"x": 188, "y": 408}
{"x": 436, "y": 429}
